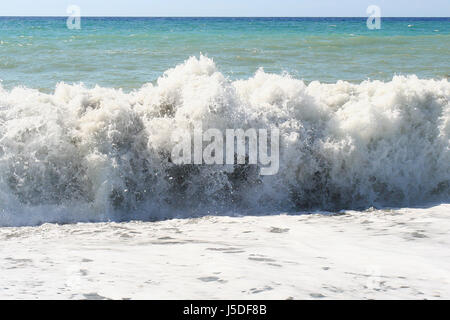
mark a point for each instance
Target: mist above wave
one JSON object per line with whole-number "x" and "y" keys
{"x": 96, "y": 154}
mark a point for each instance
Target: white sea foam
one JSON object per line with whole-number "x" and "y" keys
{"x": 372, "y": 254}
{"x": 97, "y": 154}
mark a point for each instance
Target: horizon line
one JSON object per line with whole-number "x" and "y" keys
{"x": 97, "y": 16}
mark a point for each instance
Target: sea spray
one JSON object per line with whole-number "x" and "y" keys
{"x": 96, "y": 154}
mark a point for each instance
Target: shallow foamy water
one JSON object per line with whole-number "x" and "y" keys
{"x": 401, "y": 253}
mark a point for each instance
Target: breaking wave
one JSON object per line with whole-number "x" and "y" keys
{"x": 102, "y": 154}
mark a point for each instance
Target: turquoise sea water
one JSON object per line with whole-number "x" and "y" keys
{"x": 74, "y": 153}
{"x": 128, "y": 52}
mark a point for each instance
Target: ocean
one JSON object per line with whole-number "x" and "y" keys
{"x": 86, "y": 116}
{"x": 92, "y": 205}
{"x": 129, "y": 52}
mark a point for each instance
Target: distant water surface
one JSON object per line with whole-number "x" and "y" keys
{"x": 39, "y": 52}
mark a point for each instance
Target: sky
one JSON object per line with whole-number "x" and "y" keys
{"x": 247, "y": 8}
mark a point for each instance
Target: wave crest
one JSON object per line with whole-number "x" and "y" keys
{"x": 96, "y": 154}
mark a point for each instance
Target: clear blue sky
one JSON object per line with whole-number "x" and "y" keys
{"x": 299, "y": 8}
